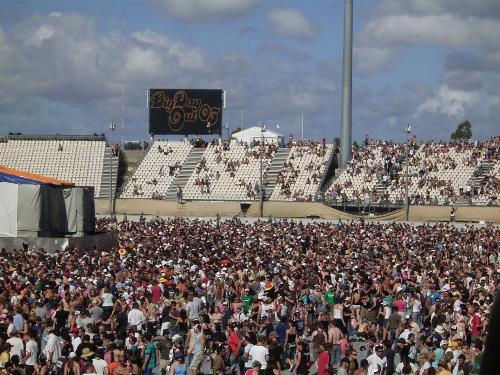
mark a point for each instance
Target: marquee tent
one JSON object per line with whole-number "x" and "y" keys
{"x": 255, "y": 133}
{"x": 33, "y": 205}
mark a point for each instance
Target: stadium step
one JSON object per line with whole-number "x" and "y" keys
{"x": 188, "y": 167}
{"x": 274, "y": 169}
{"x": 482, "y": 172}
{"x": 109, "y": 173}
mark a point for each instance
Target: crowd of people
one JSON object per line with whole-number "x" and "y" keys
{"x": 296, "y": 165}
{"x": 383, "y": 163}
{"x": 228, "y": 297}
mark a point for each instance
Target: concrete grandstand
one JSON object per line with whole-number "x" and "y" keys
{"x": 465, "y": 173}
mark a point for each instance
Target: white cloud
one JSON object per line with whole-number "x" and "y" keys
{"x": 62, "y": 58}
{"x": 372, "y": 59}
{"x": 291, "y": 23}
{"x": 453, "y": 103}
{"x": 446, "y": 30}
{"x": 202, "y": 10}
{"x": 443, "y": 23}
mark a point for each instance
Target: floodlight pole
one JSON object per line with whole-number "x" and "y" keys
{"x": 407, "y": 197}
{"x": 346, "y": 111}
{"x": 261, "y": 198}
{"x": 111, "y": 210}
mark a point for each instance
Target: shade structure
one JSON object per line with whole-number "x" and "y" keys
{"x": 16, "y": 176}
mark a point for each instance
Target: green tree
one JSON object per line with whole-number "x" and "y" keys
{"x": 463, "y": 131}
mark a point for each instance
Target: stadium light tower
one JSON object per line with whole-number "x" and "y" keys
{"x": 261, "y": 188}
{"x": 407, "y": 197}
{"x": 346, "y": 116}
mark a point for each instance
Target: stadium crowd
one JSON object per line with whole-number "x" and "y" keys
{"x": 267, "y": 297}
{"x": 433, "y": 171}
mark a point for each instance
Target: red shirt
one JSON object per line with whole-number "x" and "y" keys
{"x": 155, "y": 293}
{"x": 476, "y": 321}
{"x": 234, "y": 341}
{"x": 323, "y": 361}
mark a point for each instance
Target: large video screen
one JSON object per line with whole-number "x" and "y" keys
{"x": 185, "y": 111}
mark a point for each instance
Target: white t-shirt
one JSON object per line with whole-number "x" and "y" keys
{"x": 99, "y": 365}
{"x": 375, "y": 359}
{"x": 17, "y": 347}
{"x": 53, "y": 346}
{"x": 248, "y": 364}
{"x": 107, "y": 300}
{"x": 259, "y": 353}
{"x": 75, "y": 342}
{"x": 32, "y": 348}
{"x": 417, "y": 306}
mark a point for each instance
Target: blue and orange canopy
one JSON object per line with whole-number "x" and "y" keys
{"x": 19, "y": 177}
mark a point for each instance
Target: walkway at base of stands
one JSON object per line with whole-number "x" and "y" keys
{"x": 289, "y": 210}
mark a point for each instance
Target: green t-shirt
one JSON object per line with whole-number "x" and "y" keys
{"x": 164, "y": 347}
{"x": 150, "y": 349}
{"x": 247, "y": 303}
{"x": 330, "y": 296}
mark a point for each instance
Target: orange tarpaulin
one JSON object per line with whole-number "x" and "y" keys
{"x": 34, "y": 177}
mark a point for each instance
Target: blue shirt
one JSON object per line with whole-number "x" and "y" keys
{"x": 18, "y": 322}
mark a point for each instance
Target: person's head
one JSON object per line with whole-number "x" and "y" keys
{"x": 363, "y": 363}
{"x": 344, "y": 362}
{"x": 379, "y": 350}
{"x": 256, "y": 365}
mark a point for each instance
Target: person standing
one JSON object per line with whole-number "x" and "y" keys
{"x": 324, "y": 359}
{"x": 30, "y": 359}
{"x": 259, "y": 353}
{"x": 150, "y": 355}
{"x": 198, "y": 349}
{"x": 17, "y": 343}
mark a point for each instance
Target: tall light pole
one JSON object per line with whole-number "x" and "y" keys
{"x": 112, "y": 128}
{"x": 346, "y": 112}
{"x": 407, "y": 197}
{"x": 261, "y": 187}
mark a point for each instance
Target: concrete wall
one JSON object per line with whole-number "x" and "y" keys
{"x": 289, "y": 209}
{"x": 464, "y": 214}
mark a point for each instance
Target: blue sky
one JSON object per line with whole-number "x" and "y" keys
{"x": 70, "y": 66}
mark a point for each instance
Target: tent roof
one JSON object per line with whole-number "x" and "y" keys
{"x": 19, "y": 177}
{"x": 255, "y": 132}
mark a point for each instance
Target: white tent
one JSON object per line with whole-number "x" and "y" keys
{"x": 255, "y": 133}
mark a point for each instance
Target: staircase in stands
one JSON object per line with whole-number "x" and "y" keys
{"x": 274, "y": 168}
{"x": 187, "y": 170}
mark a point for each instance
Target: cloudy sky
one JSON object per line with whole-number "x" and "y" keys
{"x": 72, "y": 67}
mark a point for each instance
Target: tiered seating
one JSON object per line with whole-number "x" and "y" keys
{"x": 157, "y": 170}
{"x": 487, "y": 192}
{"x": 228, "y": 171}
{"x": 301, "y": 174}
{"x": 77, "y": 161}
{"x": 368, "y": 166}
{"x": 439, "y": 172}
